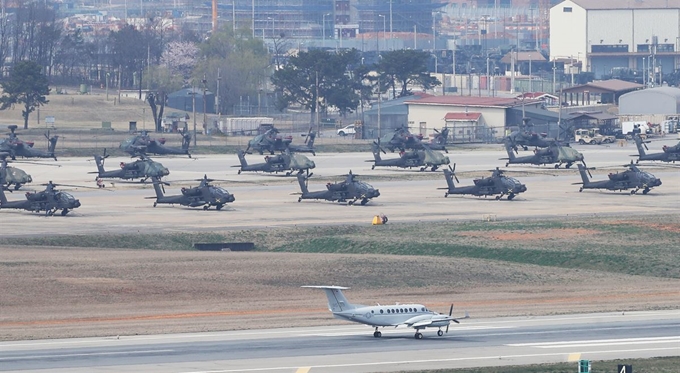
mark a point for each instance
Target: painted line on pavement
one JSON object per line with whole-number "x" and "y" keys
{"x": 620, "y": 340}
{"x": 382, "y": 363}
{"x": 31, "y": 357}
{"x": 303, "y": 370}
{"x": 574, "y": 357}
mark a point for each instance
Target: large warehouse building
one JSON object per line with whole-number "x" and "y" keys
{"x": 603, "y": 34}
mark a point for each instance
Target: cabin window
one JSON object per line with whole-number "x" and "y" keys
{"x": 401, "y": 310}
{"x": 381, "y": 311}
{"x": 372, "y": 311}
{"x": 423, "y": 309}
{"x": 410, "y": 310}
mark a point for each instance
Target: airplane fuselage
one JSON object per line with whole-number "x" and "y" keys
{"x": 391, "y": 315}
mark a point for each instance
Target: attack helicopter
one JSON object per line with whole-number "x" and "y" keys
{"x": 50, "y": 200}
{"x": 403, "y": 139}
{"x": 632, "y": 178}
{"x": 413, "y": 158}
{"x": 527, "y": 139}
{"x": 308, "y": 147}
{"x": 670, "y": 153}
{"x": 349, "y": 190}
{"x": 286, "y": 162}
{"x": 143, "y": 168}
{"x": 143, "y": 144}
{"x": 13, "y": 176}
{"x": 205, "y": 195}
{"x": 269, "y": 141}
{"x": 18, "y": 148}
{"x": 497, "y": 184}
{"x": 555, "y": 153}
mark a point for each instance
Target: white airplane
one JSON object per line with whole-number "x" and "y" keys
{"x": 414, "y": 316}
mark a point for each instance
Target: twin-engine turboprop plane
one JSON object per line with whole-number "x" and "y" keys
{"x": 414, "y": 316}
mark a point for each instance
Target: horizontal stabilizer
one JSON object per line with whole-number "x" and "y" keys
{"x": 325, "y": 287}
{"x": 576, "y": 183}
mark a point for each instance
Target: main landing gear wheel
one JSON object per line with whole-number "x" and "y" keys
{"x": 580, "y": 189}
{"x": 645, "y": 191}
{"x": 300, "y": 199}
{"x": 419, "y": 335}
{"x": 365, "y": 201}
{"x": 440, "y": 333}
{"x": 510, "y": 197}
{"x": 64, "y": 212}
{"x": 239, "y": 172}
{"x": 154, "y": 204}
{"x": 219, "y": 207}
{"x": 373, "y": 167}
{"x": 633, "y": 191}
{"x": 377, "y": 334}
{"x": 446, "y": 195}
{"x": 206, "y": 207}
{"x": 557, "y": 166}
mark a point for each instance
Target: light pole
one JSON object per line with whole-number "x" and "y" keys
{"x": 384, "y": 28}
{"x": 531, "y": 82}
{"x": 205, "y": 107}
{"x": 217, "y": 95}
{"x": 107, "y": 86}
{"x": 391, "y": 25}
{"x": 323, "y": 29}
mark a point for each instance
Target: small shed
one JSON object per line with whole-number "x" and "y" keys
{"x": 184, "y": 100}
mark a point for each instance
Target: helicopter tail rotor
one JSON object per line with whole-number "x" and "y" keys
{"x": 453, "y": 172}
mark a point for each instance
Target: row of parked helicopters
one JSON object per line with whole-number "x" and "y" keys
{"x": 349, "y": 190}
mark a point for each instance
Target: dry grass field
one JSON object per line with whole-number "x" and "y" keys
{"x": 510, "y": 268}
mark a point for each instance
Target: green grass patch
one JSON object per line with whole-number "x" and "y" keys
{"x": 652, "y": 365}
{"x": 599, "y": 244}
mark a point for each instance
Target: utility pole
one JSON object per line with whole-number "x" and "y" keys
{"x": 379, "y": 104}
{"x": 391, "y": 46}
{"x": 193, "y": 109}
{"x": 217, "y": 94}
{"x": 253, "y": 17}
{"x": 205, "y": 105}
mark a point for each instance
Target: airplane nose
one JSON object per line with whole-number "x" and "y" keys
{"x": 76, "y": 203}
{"x": 313, "y": 165}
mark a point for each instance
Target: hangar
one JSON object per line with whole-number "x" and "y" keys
{"x": 652, "y": 101}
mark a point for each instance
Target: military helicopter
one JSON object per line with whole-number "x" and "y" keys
{"x": 205, "y": 195}
{"x": 555, "y": 153}
{"x": 143, "y": 168}
{"x": 269, "y": 141}
{"x": 50, "y": 200}
{"x": 308, "y": 147}
{"x": 413, "y": 158}
{"x": 497, "y": 184}
{"x": 143, "y": 144}
{"x": 349, "y": 190}
{"x": 632, "y": 178}
{"x": 525, "y": 138}
{"x": 670, "y": 153}
{"x": 403, "y": 139}
{"x": 286, "y": 162}
{"x": 13, "y": 176}
{"x": 18, "y": 148}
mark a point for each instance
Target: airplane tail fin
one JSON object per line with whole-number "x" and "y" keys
{"x": 186, "y": 140}
{"x": 336, "y": 299}
{"x": 52, "y": 145}
{"x": 448, "y": 174}
{"x": 157, "y": 186}
{"x": 242, "y": 158}
{"x": 584, "y": 174}
{"x": 640, "y": 145}
{"x": 509, "y": 150}
{"x": 302, "y": 180}
{"x": 375, "y": 148}
{"x": 99, "y": 160}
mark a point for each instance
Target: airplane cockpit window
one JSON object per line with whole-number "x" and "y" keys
{"x": 423, "y": 309}
{"x": 372, "y": 311}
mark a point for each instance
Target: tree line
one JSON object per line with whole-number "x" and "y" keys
{"x": 158, "y": 60}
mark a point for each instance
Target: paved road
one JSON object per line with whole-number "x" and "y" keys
{"x": 483, "y": 342}
{"x": 265, "y": 200}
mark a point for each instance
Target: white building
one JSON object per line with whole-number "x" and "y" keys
{"x": 603, "y": 34}
{"x": 472, "y": 118}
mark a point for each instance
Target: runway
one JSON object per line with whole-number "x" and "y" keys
{"x": 270, "y": 200}
{"x": 352, "y": 348}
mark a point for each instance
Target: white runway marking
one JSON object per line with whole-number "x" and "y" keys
{"x": 600, "y": 342}
{"x": 31, "y": 357}
{"x": 379, "y": 363}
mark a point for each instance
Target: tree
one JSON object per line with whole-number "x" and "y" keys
{"x": 26, "y": 85}
{"x": 242, "y": 61}
{"x": 405, "y": 67}
{"x": 317, "y": 80}
{"x": 161, "y": 80}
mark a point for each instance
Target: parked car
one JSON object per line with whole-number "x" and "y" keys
{"x": 348, "y": 130}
